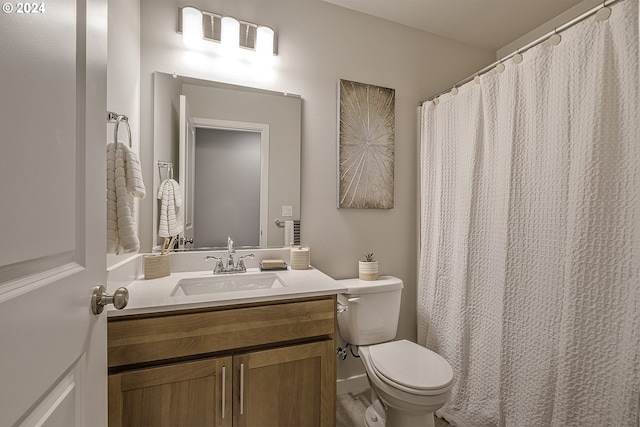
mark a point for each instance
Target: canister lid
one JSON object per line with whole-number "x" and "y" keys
{"x": 383, "y": 284}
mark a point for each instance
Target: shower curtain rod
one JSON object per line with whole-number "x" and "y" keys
{"x": 537, "y": 41}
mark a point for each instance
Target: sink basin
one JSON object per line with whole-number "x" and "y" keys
{"x": 235, "y": 283}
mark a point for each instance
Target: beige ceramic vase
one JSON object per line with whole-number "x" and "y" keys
{"x": 368, "y": 270}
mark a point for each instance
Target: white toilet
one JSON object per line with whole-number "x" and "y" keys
{"x": 408, "y": 382}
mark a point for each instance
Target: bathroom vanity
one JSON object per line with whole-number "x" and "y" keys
{"x": 231, "y": 358}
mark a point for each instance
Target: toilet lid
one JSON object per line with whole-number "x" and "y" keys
{"x": 410, "y": 365}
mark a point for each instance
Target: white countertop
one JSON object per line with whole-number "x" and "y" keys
{"x": 152, "y": 296}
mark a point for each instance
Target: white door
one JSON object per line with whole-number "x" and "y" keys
{"x": 52, "y": 212}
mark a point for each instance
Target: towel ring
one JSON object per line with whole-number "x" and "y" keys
{"x": 115, "y": 129}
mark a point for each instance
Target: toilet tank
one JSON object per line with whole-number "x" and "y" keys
{"x": 373, "y": 310}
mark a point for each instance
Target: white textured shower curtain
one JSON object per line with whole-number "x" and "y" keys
{"x": 529, "y": 265}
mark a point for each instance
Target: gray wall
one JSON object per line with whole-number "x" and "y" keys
{"x": 320, "y": 43}
{"x": 123, "y": 77}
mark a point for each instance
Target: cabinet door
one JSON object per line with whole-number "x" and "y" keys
{"x": 182, "y": 394}
{"x": 287, "y": 386}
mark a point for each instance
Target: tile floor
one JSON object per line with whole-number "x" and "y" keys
{"x": 351, "y": 406}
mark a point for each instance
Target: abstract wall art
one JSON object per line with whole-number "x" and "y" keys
{"x": 366, "y": 138}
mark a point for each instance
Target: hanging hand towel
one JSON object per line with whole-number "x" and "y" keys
{"x": 170, "y": 213}
{"x": 124, "y": 182}
{"x": 112, "y": 215}
{"x": 135, "y": 185}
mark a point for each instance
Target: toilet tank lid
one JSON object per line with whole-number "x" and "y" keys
{"x": 383, "y": 284}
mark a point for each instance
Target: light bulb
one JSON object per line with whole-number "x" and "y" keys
{"x": 230, "y": 32}
{"x": 264, "y": 41}
{"x": 192, "y": 32}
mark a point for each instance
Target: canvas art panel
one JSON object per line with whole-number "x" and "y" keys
{"x": 366, "y": 138}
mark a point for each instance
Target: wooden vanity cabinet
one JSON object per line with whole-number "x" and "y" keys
{"x": 254, "y": 365}
{"x": 183, "y": 394}
{"x": 286, "y": 386}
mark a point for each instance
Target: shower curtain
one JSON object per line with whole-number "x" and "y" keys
{"x": 529, "y": 263}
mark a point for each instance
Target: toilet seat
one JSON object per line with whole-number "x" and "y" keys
{"x": 410, "y": 367}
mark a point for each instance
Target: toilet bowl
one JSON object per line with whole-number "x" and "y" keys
{"x": 411, "y": 381}
{"x": 408, "y": 382}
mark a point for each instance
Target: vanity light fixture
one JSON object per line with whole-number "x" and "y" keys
{"x": 197, "y": 25}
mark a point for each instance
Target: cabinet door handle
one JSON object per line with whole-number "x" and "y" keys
{"x": 224, "y": 386}
{"x": 241, "y": 388}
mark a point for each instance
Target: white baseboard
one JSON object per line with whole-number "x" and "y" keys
{"x": 355, "y": 383}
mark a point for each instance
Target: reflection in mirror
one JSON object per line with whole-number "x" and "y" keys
{"x": 231, "y": 157}
{"x": 236, "y": 151}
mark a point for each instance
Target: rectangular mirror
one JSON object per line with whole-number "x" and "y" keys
{"x": 235, "y": 153}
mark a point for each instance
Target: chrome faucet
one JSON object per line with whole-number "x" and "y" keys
{"x": 219, "y": 267}
{"x": 231, "y": 266}
{"x": 230, "y": 251}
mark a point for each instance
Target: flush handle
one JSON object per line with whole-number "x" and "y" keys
{"x": 100, "y": 298}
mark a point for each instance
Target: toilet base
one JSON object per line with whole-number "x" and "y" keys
{"x": 372, "y": 418}
{"x": 397, "y": 418}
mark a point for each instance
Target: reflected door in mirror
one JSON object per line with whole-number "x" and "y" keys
{"x": 227, "y": 189}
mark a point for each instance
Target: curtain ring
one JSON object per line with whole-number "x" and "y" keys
{"x": 603, "y": 13}
{"x": 517, "y": 58}
{"x": 555, "y": 39}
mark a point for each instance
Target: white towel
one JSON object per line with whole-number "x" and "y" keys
{"x": 288, "y": 233}
{"x": 112, "y": 215}
{"x": 124, "y": 182}
{"x": 135, "y": 185}
{"x": 170, "y": 213}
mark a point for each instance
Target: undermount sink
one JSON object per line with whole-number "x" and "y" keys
{"x": 231, "y": 283}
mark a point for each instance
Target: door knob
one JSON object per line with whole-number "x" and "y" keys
{"x": 100, "y": 298}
